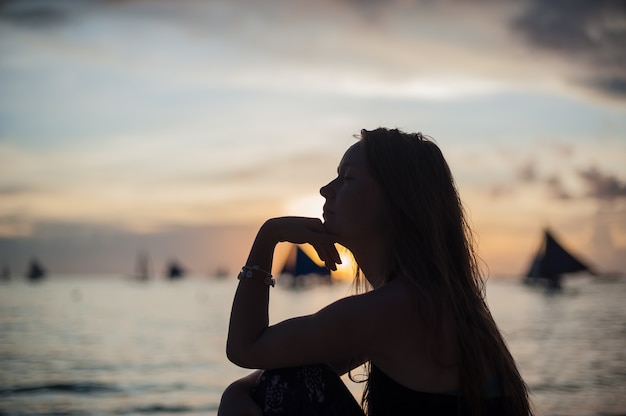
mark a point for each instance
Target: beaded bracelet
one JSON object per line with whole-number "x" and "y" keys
{"x": 248, "y": 271}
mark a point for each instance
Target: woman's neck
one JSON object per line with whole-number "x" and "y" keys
{"x": 372, "y": 260}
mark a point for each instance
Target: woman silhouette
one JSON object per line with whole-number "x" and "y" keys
{"x": 422, "y": 327}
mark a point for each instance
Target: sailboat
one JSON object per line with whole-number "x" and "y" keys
{"x": 221, "y": 272}
{"x": 6, "y": 273}
{"x": 142, "y": 267}
{"x": 302, "y": 270}
{"x": 175, "y": 270}
{"x": 551, "y": 262}
{"x": 35, "y": 271}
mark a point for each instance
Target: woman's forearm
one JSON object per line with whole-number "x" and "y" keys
{"x": 249, "y": 315}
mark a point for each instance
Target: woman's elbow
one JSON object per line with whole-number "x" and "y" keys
{"x": 235, "y": 358}
{"x": 238, "y": 356}
{"x": 232, "y": 353}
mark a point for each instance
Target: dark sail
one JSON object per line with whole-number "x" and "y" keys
{"x": 299, "y": 264}
{"x": 175, "y": 270}
{"x": 35, "y": 271}
{"x": 552, "y": 261}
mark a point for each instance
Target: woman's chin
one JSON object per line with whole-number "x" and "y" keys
{"x": 329, "y": 225}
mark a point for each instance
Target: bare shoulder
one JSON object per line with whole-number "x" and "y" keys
{"x": 384, "y": 313}
{"x": 396, "y": 297}
{"x": 392, "y": 298}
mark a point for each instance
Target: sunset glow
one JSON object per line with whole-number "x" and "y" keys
{"x": 218, "y": 115}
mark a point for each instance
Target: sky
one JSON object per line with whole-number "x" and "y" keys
{"x": 177, "y": 128}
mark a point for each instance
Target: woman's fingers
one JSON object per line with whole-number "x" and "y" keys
{"x": 300, "y": 230}
{"x": 324, "y": 244}
{"x": 329, "y": 254}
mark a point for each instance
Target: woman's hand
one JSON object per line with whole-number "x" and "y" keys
{"x": 236, "y": 399}
{"x": 246, "y": 345}
{"x": 300, "y": 230}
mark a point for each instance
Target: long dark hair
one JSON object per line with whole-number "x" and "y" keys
{"x": 433, "y": 246}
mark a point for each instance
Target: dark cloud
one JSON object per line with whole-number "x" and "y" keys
{"x": 34, "y": 13}
{"x": 583, "y": 31}
{"x": 528, "y": 172}
{"x": 15, "y": 189}
{"x": 613, "y": 86}
{"x": 598, "y": 185}
{"x": 601, "y": 185}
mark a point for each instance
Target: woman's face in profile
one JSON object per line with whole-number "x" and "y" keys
{"x": 355, "y": 205}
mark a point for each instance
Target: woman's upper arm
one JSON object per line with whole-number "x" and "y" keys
{"x": 348, "y": 329}
{"x": 345, "y": 366}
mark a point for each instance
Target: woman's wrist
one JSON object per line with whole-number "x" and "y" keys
{"x": 250, "y": 271}
{"x": 269, "y": 232}
{"x": 262, "y": 252}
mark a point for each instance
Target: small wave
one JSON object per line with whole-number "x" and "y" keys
{"x": 78, "y": 388}
{"x": 557, "y": 387}
{"x": 162, "y": 408}
{"x": 52, "y": 413}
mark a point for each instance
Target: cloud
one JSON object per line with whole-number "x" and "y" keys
{"x": 598, "y": 185}
{"x": 589, "y": 32}
{"x": 169, "y": 183}
{"x": 601, "y": 185}
{"x": 412, "y": 49}
{"x": 556, "y": 189}
{"x": 15, "y": 224}
{"x": 527, "y": 172}
{"x": 33, "y": 14}
{"x": 499, "y": 191}
{"x": 561, "y": 171}
{"x": 396, "y": 49}
{"x": 7, "y": 190}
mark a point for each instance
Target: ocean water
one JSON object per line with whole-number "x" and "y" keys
{"x": 85, "y": 345}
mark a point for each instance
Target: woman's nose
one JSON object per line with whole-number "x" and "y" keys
{"x": 326, "y": 190}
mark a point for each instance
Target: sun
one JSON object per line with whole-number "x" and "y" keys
{"x": 345, "y": 271}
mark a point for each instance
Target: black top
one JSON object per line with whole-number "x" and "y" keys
{"x": 388, "y": 397}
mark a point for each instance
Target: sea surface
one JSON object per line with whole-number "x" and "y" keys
{"x": 106, "y": 345}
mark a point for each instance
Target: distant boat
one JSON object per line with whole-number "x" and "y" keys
{"x": 303, "y": 270}
{"x": 35, "y": 271}
{"x": 6, "y": 273}
{"x": 221, "y": 273}
{"x": 551, "y": 262}
{"x": 142, "y": 266}
{"x": 175, "y": 270}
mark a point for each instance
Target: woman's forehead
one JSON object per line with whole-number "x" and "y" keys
{"x": 354, "y": 156}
